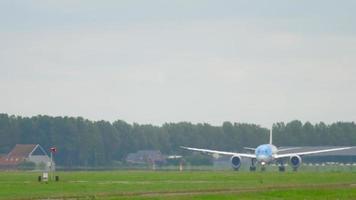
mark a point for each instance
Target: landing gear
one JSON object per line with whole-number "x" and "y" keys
{"x": 253, "y": 165}
{"x": 281, "y": 167}
{"x": 252, "y": 168}
{"x": 263, "y": 166}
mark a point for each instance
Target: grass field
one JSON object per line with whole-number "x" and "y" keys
{"x": 180, "y": 185}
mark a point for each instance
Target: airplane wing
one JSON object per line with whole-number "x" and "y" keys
{"x": 287, "y": 149}
{"x": 310, "y": 152}
{"x": 250, "y": 149}
{"x": 220, "y": 152}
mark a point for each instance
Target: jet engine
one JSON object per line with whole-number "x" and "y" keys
{"x": 295, "y": 161}
{"x": 236, "y": 162}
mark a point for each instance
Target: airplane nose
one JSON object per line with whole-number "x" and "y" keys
{"x": 261, "y": 158}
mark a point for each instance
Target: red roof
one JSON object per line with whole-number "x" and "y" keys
{"x": 22, "y": 150}
{"x": 18, "y": 154}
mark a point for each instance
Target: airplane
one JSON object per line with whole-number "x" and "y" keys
{"x": 266, "y": 154}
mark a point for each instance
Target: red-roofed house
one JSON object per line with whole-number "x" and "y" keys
{"x": 24, "y": 153}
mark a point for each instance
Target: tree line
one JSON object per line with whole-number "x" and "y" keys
{"x": 81, "y": 142}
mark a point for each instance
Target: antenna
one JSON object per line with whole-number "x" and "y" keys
{"x": 270, "y": 136}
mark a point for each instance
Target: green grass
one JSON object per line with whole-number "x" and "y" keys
{"x": 180, "y": 185}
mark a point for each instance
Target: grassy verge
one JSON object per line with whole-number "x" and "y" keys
{"x": 180, "y": 185}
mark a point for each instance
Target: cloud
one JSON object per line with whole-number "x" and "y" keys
{"x": 202, "y": 69}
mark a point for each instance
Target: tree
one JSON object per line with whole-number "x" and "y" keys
{"x": 82, "y": 142}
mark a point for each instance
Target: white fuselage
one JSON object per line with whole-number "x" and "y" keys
{"x": 265, "y": 153}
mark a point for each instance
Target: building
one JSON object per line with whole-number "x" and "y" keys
{"x": 25, "y": 153}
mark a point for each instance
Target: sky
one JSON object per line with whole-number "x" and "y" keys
{"x": 159, "y": 61}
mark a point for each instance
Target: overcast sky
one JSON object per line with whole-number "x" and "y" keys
{"x": 179, "y": 60}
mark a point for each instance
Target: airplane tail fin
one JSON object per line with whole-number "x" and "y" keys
{"x": 270, "y": 136}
